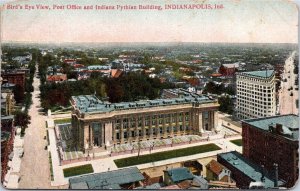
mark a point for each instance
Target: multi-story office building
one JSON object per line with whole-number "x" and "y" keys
{"x": 255, "y": 94}
{"x": 98, "y": 124}
{"x": 274, "y": 140}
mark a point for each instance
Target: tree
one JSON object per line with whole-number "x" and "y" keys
{"x": 226, "y": 104}
{"x": 21, "y": 119}
{"x": 18, "y": 93}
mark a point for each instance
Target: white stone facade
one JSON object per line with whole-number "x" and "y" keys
{"x": 255, "y": 94}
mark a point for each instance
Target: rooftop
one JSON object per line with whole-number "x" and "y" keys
{"x": 248, "y": 168}
{"x": 261, "y": 74}
{"x": 91, "y": 104}
{"x": 234, "y": 65}
{"x": 99, "y": 67}
{"x": 106, "y": 180}
{"x": 215, "y": 167}
{"x": 5, "y": 135}
{"x": 290, "y": 124}
{"x": 180, "y": 174}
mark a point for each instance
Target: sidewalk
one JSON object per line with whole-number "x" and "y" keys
{"x": 57, "y": 169}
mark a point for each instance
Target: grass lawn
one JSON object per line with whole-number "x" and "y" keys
{"x": 60, "y": 121}
{"x": 237, "y": 142}
{"x": 165, "y": 155}
{"x": 78, "y": 170}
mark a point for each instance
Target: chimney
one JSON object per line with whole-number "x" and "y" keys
{"x": 276, "y": 175}
{"x": 271, "y": 127}
{"x": 262, "y": 174}
{"x": 279, "y": 128}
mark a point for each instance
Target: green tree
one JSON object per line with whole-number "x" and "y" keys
{"x": 226, "y": 104}
{"x": 21, "y": 119}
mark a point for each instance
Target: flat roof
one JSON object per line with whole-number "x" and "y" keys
{"x": 106, "y": 180}
{"x": 5, "y": 135}
{"x": 11, "y": 117}
{"x": 90, "y": 103}
{"x": 262, "y": 73}
{"x": 290, "y": 124}
{"x": 248, "y": 168}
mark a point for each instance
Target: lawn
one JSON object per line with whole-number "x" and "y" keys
{"x": 78, "y": 170}
{"x": 237, "y": 142}
{"x": 61, "y": 121}
{"x": 51, "y": 168}
{"x": 165, "y": 155}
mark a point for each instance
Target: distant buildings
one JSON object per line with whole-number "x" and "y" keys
{"x": 255, "y": 94}
{"x": 57, "y": 78}
{"x": 99, "y": 124}
{"x": 229, "y": 70}
{"x": 274, "y": 140}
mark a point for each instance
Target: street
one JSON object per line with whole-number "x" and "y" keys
{"x": 35, "y": 170}
{"x": 288, "y": 94}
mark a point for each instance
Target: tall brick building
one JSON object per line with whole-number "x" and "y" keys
{"x": 17, "y": 78}
{"x": 274, "y": 140}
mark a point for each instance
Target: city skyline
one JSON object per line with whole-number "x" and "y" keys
{"x": 237, "y": 22}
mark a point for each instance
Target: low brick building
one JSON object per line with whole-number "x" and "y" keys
{"x": 245, "y": 171}
{"x": 7, "y": 140}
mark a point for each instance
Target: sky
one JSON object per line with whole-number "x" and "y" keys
{"x": 240, "y": 21}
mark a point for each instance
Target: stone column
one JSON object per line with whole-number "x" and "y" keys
{"x": 86, "y": 135}
{"x": 91, "y": 136}
{"x": 183, "y": 122}
{"x": 165, "y": 133}
{"x": 102, "y": 127}
{"x": 108, "y": 133}
{"x": 177, "y": 123}
{"x": 171, "y": 125}
{"x": 150, "y": 126}
{"x": 129, "y": 137}
{"x": 216, "y": 122}
{"x": 143, "y": 127}
{"x": 121, "y": 132}
{"x": 200, "y": 122}
{"x": 212, "y": 118}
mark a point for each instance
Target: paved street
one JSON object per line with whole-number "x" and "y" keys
{"x": 287, "y": 94}
{"x": 35, "y": 171}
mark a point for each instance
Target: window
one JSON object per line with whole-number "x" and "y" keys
{"x": 160, "y": 121}
{"x": 205, "y": 114}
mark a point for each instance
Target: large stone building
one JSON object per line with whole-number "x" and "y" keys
{"x": 98, "y": 124}
{"x": 255, "y": 94}
{"x": 274, "y": 140}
